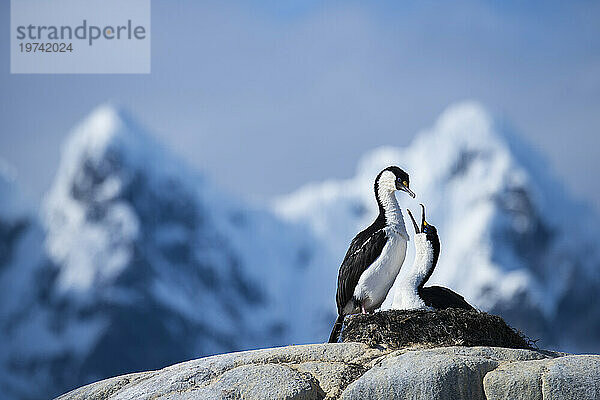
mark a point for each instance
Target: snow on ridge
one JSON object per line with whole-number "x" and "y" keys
{"x": 110, "y": 132}
{"x": 105, "y": 156}
{"x": 108, "y": 138}
{"x": 99, "y": 160}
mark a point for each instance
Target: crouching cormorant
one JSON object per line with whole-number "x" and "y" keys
{"x": 411, "y": 294}
{"x": 376, "y": 254}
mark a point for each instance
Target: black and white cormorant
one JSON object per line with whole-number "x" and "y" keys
{"x": 376, "y": 254}
{"x": 411, "y": 292}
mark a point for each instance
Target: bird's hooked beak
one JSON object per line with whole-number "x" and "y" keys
{"x": 423, "y": 222}
{"x": 404, "y": 187}
{"x": 413, "y": 221}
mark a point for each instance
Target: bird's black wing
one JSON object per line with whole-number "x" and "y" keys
{"x": 364, "y": 249}
{"x": 441, "y": 298}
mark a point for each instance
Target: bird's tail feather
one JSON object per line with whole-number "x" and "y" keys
{"x": 337, "y": 327}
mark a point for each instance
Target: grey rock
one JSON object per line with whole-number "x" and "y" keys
{"x": 106, "y": 388}
{"x": 572, "y": 377}
{"x": 333, "y": 377}
{"x": 519, "y": 380}
{"x": 200, "y": 377}
{"x": 500, "y": 353}
{"x": 355, "y": 371}
{"x": 269, "y": 381}
{"x": 566, "y": 377}
{"x": 423, "y": 375}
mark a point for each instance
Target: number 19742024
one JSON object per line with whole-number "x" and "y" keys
{"x": 46, "y": 47}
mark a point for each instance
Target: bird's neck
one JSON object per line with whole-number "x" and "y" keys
{"x": 390, "y": 211}
{"x": 425, "y": 260}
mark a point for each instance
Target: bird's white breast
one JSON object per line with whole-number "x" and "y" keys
{"x": 407, "y": 293}
{"x": 375, "y": 283}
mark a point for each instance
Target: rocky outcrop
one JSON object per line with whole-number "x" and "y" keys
{"x": 357, "y": 371}
{"x": 386, "y": 355}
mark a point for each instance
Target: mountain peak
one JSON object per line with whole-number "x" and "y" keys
{"x": 465, "y": 126}
{"x": 103, "y": 122}
{"x": 102, "y": 158}
{"x": 466, "y": 114}
{"x": 105, "y": 151}
{"x": 108, "y": 129}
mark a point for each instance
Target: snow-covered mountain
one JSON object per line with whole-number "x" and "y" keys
{"x": 149, "y": 264}
{"x": 513, "y": 242}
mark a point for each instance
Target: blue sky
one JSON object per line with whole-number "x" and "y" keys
{"x": 292, "y": 92}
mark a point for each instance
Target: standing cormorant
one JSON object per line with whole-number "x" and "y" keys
{"x": 376, "y": 254}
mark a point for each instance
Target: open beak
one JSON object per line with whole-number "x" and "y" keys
{"x": 407, "y": 190}
{"x": 413, "y": 221}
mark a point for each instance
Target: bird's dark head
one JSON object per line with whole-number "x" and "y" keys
{"x": 392, "y": 179}
{"x": 429, "y": 230}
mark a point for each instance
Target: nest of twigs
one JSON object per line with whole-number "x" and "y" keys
{"x": 449, "y": 327}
